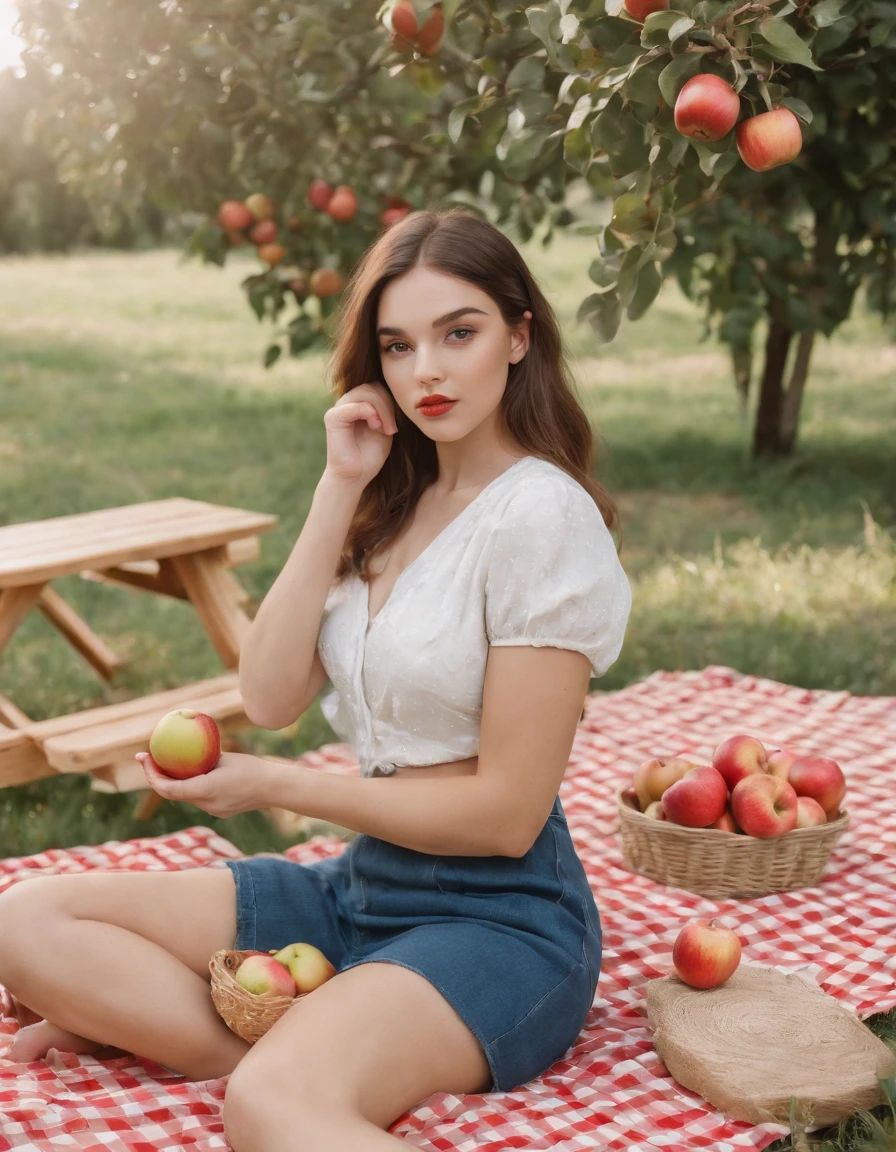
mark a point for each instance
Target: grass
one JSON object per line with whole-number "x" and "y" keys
{"x": 132, "y": 377}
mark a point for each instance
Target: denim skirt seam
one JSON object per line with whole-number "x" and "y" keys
{"x": 561, "y": 875}
{"x": 551, "y": 991}
{"x": 246, "y": 904}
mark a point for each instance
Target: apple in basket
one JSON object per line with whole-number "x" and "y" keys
{"x": 764, "y": 806}
{"x": 655, "y": 776}
{"x": 737, "y": 757}
{"x": 307, "y": 965}
{"x": 809, "y": 812}
{"x": 185, "y": 743}
{"x": 779, "y": 761}
{"x": 697, "y": 800}
{"x": 262, "y": 975}
{"x": 821, "y": 778}
{"x": 705, "y": 953}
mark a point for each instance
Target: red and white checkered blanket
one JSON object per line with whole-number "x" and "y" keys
{"x": 611, "y": 1091}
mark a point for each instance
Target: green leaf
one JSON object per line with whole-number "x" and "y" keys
{"x": 674, "y": 75}
{"x": 629, "y": 213}
{"x": 661, "y": 28}
{"x": 798, "y": 108}
{"x": 826, "y": 12}
{"x": 458, "y": 115}
{"x": 527, "y": 73}
{"x": 650, "y": 280}
{"x": 603, "y": 312}
{"x": 272, "y": 355}
{"x": 785, "y": 43}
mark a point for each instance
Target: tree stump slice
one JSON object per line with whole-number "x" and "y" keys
{"x": 763, "y": 1037}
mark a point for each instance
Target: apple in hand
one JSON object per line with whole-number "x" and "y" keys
{"x": 809, "y": 812}
{"x": 705, "y": 953}
{"x": 707, "y": 107}
{"x": 821, "y": 778}
{"x": 779, "y": 761}
{"x": 185, "y": 743}
{"x": 307, "y": 965}
{"x": 697, "y": 800}
{"x": 764, "y": 806}
{"x": 262, "y": 975}
{"x": 737, "y": 757}
{"x": 655, "y": 776}
{"x": 769, "y": 139}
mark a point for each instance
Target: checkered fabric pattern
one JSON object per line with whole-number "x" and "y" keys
{"x": 610, "y": 1091}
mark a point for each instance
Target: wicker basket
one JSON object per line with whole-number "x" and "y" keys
{"x": 243, "y": 1012}
{"x": 722, "y": 864}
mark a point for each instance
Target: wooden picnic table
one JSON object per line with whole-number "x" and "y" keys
{"x": 176, "y": 547}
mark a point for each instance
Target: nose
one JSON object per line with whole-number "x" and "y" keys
{"x": 426, "y": 364}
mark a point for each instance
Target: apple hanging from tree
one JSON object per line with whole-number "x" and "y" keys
{"x": 705, "y": 953}
{"x": 271, "y": 254}
{"x": 320, "y": 193}
{"x": 234, "y": 216}
{"x": 640, "y": 9}
{"x": 185, "y": 743}
{"x": 769, "y": 139}
{"x": 261, "y": 206}
{"x": 326, "y": 282}
{"x": 264, "y": 232}
{"x": 405, "y": 34}
{"x": 343, "y": 204}
{"x": 707, "y": 108}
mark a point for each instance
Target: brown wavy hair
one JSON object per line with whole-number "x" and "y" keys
{"x": 539, "y": 406}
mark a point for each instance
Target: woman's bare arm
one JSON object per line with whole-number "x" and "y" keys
{"x": 277, "y": 654}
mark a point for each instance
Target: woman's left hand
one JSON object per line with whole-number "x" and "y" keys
{"x": 239, "y": 783}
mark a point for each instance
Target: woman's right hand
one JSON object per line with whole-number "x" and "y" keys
{"x": 360, "y": 427}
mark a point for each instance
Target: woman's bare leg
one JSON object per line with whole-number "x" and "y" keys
{"x": 140, "y": 984}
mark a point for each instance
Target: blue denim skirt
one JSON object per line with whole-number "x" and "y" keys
{"x": 512, "y": 943}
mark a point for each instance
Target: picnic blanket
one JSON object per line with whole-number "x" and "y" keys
{"x": 610, "y": 1091}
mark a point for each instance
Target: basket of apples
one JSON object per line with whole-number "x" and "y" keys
{"x": 751, "y": 823}
{"x": 251, "y": 990}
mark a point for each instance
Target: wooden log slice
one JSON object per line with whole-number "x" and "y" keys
{"x": 763, "y": 1037}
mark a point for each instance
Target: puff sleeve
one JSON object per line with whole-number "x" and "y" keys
{"x": 554, "y": 578}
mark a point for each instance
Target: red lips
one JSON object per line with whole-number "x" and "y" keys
{"x": 436, "y": 398}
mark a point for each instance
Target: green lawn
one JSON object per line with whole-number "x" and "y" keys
{"x": 127, "y": 377}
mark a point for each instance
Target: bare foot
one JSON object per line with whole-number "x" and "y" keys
{"x": 35, "y": 1040}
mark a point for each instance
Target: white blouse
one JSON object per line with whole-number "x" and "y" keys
{"x": 528, "y": 561}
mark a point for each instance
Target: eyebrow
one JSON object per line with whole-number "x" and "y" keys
{"x": 446, "y": 319}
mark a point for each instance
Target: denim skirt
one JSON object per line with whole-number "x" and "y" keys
{"x": 512, "y": 943}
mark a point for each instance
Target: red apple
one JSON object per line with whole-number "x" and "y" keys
{"x": 655, "y": 810}
{"x": 390, "y": 216}
{"x": 764, "y": 806}
{"x": 653, "y": 777}
{"x": 809, "y": 812}
{"x": 640, "y": 9}
{"x": 725, "y": 822}
{"x": 308, "y": 966}
{"x": 343, "y": 204}
{"x": 185, "y": 743}
{"x": 737, "y": 757}
{"x": 264, "y": 232}
{"x": 705, "y": 953}
{"x": 263, "y": 975}
{"x": 319, "y": 194}
{"x": 820, "y": 778}
{"x": 697, "y": 800}
{"x": 707, "y": 107}
{"x": 234, "y": 216}
{"x": 769, "y": 139}
{"x": 271, "y": 254}
{"x": 261, "y": 206}
{"x": 779, "y": 761}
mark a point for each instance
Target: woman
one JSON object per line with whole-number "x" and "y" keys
{"x": 457, "y": 583}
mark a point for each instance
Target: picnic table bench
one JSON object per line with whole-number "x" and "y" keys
{"x": 176, "y": 547}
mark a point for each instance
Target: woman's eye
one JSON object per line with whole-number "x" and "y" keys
{"x": 457, "y": 331}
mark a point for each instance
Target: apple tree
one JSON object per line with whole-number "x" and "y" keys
{"x": 747, "y": 149}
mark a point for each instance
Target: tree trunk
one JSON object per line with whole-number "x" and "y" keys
{"x": 767, "y": 430}
{"x": 793, "y": 397}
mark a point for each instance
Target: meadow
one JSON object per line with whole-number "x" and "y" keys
{"x": 127, "y": 377}
{"x": 133, "y": 377}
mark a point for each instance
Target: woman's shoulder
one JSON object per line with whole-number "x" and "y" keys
{"x": 547, "y": 496}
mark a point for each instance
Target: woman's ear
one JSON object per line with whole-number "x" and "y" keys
{"x": 519, "y": 341}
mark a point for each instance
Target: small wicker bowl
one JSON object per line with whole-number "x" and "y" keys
{"x": 723, "y": 864}
{"x": 243, "y": 1012}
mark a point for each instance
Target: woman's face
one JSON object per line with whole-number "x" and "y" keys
{"x": 441, "y": 334}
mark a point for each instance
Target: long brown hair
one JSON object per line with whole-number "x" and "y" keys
{"x": 539, "y": 406}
